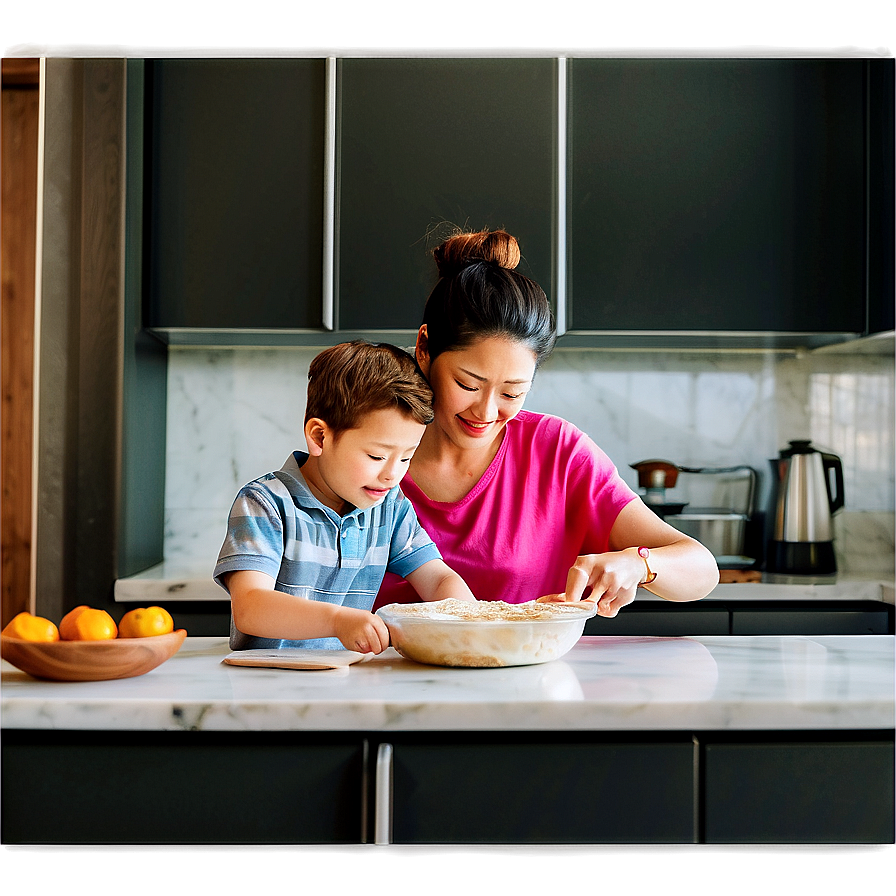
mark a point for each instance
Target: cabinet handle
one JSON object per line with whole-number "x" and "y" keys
{"x": 697, "y": 789}
{"x": 382, "y": 825}
{"x": 560, "y": 202}
{"x": 328, "y": 298}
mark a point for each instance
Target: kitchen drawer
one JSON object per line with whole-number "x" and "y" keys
{"x": 180, "y": 787}
{"x": 792, "y": 790}
{"x": 452, "y": 788}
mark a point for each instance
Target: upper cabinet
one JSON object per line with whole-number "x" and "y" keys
{"x": 426, "y": 144}
{"x": 657, "y": 201}
{"x": 726, "y": 194}
{"x": 234, "y": 195}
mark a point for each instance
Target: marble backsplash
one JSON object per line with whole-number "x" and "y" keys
{"x": 235, "y": 413}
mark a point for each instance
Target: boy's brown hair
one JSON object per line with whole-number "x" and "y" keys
{"x": 352, "y": 379}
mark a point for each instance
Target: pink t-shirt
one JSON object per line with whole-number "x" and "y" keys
{"x": 549, "y": 495}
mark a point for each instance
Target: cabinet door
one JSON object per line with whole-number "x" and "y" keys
{"x": 426, "y": 143}
{"x": 800, "y": 791}
{"x": 181, "y": 787}
{"x": 717, "y": 194}
{"x": 235, "y": 194}
{"x": 881, "y": 194}
{"x": 498, "y": 789}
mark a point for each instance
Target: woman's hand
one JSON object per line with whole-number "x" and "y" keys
{"x": 685, "y": 569}
{"x": 613, "y": 578}
{"x": 359, "y": 630}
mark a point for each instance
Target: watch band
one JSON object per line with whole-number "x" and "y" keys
{"x": 644, "y": 553}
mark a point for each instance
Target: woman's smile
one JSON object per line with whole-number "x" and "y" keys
{"x": 474, "y": 426}
{"x": 479, "y": 388}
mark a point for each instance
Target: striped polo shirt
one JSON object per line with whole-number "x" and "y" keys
{"x": 278, "y": 527}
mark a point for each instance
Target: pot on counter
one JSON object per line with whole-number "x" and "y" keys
{"x": 655, "y": 476}
{"x": 720, "y": 529}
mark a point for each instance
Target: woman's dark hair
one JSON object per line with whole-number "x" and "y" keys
{"x": 479, "y": 294}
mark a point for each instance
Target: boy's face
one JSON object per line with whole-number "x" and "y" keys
{"x": 360, "y": 466}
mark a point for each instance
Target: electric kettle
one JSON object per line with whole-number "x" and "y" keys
{"x": 802, "y": 508}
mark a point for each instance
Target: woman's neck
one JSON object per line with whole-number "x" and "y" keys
{"x": 446, "y": 471}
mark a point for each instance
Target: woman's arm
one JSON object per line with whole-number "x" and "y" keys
{"x": 685, "y": 569}
{"x": 435, "y": 580}
{"x": 260, "y": 610}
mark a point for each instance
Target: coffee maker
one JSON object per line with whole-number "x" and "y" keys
{"x": 802, "y": 507}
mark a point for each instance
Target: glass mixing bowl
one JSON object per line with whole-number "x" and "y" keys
{"x": 485, "y": 633}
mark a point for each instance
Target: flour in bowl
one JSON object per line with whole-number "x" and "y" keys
{"x": 490, "y": 610}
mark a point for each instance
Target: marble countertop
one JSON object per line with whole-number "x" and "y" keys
{"x": 603, "y": 683}
{"x": 192, "y": 581}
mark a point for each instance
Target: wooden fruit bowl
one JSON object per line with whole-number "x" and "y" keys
{"x": 90, "y": 660}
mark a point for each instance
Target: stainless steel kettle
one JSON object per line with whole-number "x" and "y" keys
{"x": 803, "y": 504}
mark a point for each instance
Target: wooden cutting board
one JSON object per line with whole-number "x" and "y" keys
{"x": 739, "y": 575}
{"x": 296, "y": 658}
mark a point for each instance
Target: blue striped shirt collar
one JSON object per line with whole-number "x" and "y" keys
{"x": 304, "y": 497}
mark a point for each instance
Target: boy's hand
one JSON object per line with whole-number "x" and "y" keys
{"x": 361, "y": 631}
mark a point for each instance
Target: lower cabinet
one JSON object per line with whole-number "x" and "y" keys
{"x": 513, "y": 789}
{"x": 665, "y": 619}
{"x": 661, "y": 619}
{"x": 446, "y": 787}
{"x": 181, "y": 787}
{"x": 710, "y": 787}
{"x": 844, "y": 618}
{"x": 799, "y": 790}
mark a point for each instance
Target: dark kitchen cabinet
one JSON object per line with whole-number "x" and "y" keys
{"x": 881, "y": 193}
{"x": 233, "y": 197}
{"x": 835, "y": 618}
{"x": 181, "y": 787}
{"x": 730, "y": 195}
{"x": 424, "y": 144}
{"x": 715, "y": 199}
{"x": 235, "y": 189}
{"x": 736, "y": 616}
{"x": 663, "y": 620}
{"x": 797, "y": 789}
{"x": 469, "y": 788}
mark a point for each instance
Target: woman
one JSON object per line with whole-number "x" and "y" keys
{"x": 523, "y": 505}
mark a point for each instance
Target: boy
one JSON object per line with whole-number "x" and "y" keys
{"x": 330, "y": 523}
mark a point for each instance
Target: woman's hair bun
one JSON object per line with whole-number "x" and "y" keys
{"x": 462, "y": 249}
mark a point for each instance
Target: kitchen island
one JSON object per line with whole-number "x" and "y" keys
{"x": 763, "y": 739}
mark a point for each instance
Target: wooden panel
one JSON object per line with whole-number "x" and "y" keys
{"x": 21, "y": 72}
{"x": 18, "y": 228}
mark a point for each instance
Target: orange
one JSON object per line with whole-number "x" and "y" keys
{"x": 87, "y": 624}
{"x": 31, "y": 628}
{"x": 67, "y": 629}
{"x": 144, "y": 622}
